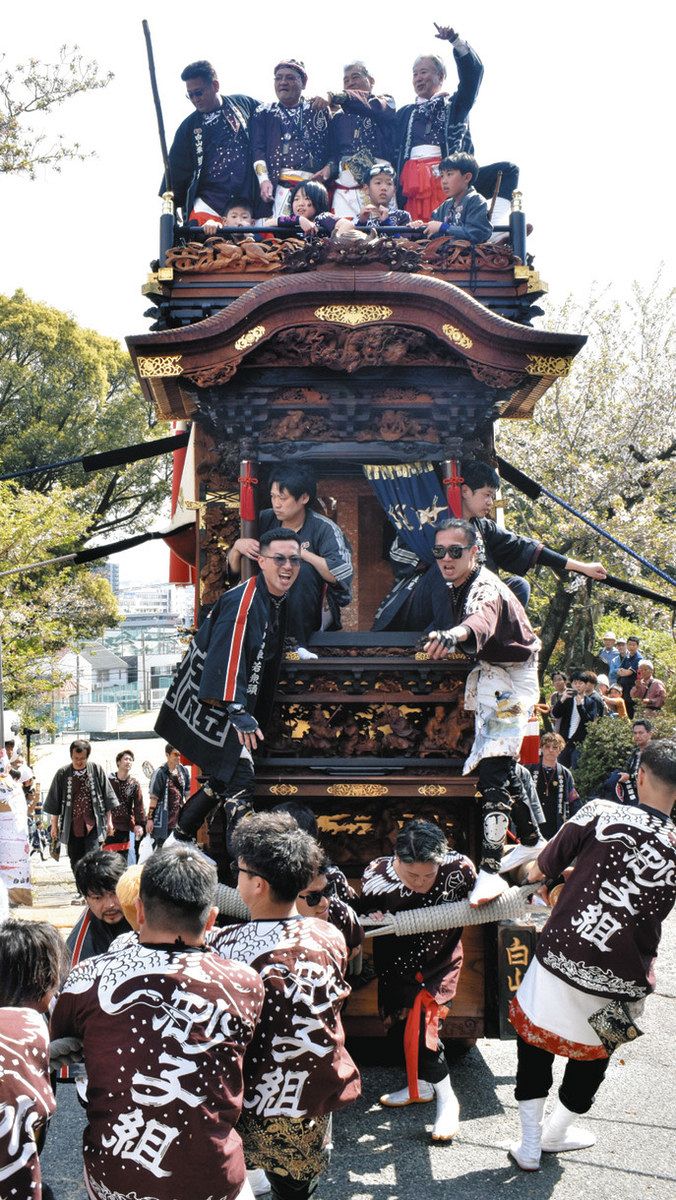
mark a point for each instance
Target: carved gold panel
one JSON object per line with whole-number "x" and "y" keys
{"x": 357, "y": 789}
{"x": 543, "y": 364}
{"x": 250, "y": 337}
{"x": 353, "y": 314}
{"x": 159, "y": 366}
{"x": 458, "y": 337}
{"x": 283, "y": 789}
{"x": 432, "y": 789}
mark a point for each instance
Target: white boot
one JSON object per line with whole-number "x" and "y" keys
{"x": 258, "y": 1181}
{"x": 526, "y": 1153}
{"x": 402, "y": 1098}
{"x": 487, "y": 887}
{"x": 560, "y": 1134}
{"x": 521, "y": 854}
{"x": 447, "y": 1119}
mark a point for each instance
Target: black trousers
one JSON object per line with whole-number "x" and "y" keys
{"x": 487, "y": 177}
{"x": 503, "y": 798}
{"x": 199, "y": 806}
{"x": 582, "y": 1078}
{"x": 79, "y": 846}
{"x": 284, "y": 1188}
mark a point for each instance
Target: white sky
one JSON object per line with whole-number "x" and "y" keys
{"x": 578, "y": 94}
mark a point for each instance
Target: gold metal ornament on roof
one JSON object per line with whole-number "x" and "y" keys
{"x": 357, "y": 789}
{"x": 353, "y": 314}
{"x": 458, "y": 337}
{"x": 544, "y": 364}
{"x": 283, "y": 789}
{"x": 159, "y": 366}
{"x": 250, "y": 337}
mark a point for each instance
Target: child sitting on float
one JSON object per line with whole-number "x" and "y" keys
{"x": 238, "y": 215}
{"x": 309, "y": 210}
{"x": 380, "y": 206}
{"x": 463, "y": 216}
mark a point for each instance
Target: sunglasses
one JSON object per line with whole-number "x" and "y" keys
{"x": 294, "y": 560}
{"x": 196, "y": 95}
{"x": 450, "y": 551}
{"x": 237, "y": 870}
{"x": 312, "y": 898}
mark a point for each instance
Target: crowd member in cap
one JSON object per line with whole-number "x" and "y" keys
{"x": 627, "y": 672}
{"x": 129, "y": 817}
{"x": 554, "y": 785}
{"x": 210, "y": 158}
{"x": 594, "y": 960}
{"x": 189, "y": 1017}
{"x": 80, "y": 802}
{"x": 463, "y": 216}
{"x": 324, "y": 584}
{"x": 610, "y": 656}
{"x": 362, "y": 136}
{"x": 419, "y": 600}
{"x": 489, "y": 625}
{"x": 168, "y": 793}
{"x": 615, "y": 702}
{"x": 223, "y": 689}
{"x": 379, "y": 200}
{"x": 297, "y": 1071}
{"x": 290, "y": 138}
{"x": 648, "y": 691}
{"x": 32, "y": 965}
{"x": 418, "y": 975}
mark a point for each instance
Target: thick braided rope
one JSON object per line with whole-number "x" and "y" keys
{"x": 230, "y": 903}
{"x": 454, "y": 916}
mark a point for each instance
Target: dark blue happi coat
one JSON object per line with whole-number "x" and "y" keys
{"x": 294, "y": 139}
{"x": 234, "y": 658}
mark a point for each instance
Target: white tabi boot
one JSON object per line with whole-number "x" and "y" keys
{"x": 402, "y": 1098}
{"x": 526, "y": 1153}
{"x": 521, "y": 854}
{"x": 258, "y": 1182}
{"x": 487, "y": 887}
{"x": 560, "y": 1134}
{"x": 447, "y": 1120}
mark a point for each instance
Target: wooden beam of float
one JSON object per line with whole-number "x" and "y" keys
{"x": 521, "y": 361}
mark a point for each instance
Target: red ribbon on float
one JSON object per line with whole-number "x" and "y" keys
{"x": 453, "y": 484}
{"x": 247, "y": 501}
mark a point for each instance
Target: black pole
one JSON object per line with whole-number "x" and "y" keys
{"x": 167, "y": 217}
{"x": 517, "y": 227}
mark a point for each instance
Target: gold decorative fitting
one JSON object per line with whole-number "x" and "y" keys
{"x": 283, "y": 789}
{"x": 357, "y": 789}
{"x": 517, "y": 201}
{"x": 160, "y": 366}
{"x": 542, "y": 364}
{"x": 432, "y": 789}
{"x": 250, "y": 337}
{"x": 292, "y": 656}
{"x": 456, "y": 335}
{"x": 420, "y": 656}
{"x": 353, "y": 314}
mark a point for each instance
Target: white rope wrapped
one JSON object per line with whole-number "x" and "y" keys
{"x": 230, "y": 903}
{"x": 452, "y": 916}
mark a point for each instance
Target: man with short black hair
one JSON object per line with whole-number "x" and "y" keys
{"x": 489, "y": 625}
{"x": 324, "y": 583}
{"x": 129, "y": 817}
{"x": 97, "y": 875}
{"x": 210, "y": 158}
{"x": 80, "y": 801}
{"x": 574, "y": 712}
{"x": 222, "y": 693}
{"x": 627, "y": 672}
{"x": 297, "y": 1070}
{"x": 161, "y": 1121}
{"x": 168, "y": 792}
{"x": 625, "y": 783}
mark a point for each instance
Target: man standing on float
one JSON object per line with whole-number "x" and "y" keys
{"x": 491, "y": 626}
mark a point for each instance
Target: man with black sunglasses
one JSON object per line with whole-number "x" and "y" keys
{"x": 490, "y": 625}
{"x": 210, "y": 159}
{"x": 221, "y": 695}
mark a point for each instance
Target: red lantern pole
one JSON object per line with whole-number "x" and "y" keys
{"x": 453, "y": 482}
{"x": 247, "y": 510}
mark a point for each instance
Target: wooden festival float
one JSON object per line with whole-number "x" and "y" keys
{"x": 386, "y": 352}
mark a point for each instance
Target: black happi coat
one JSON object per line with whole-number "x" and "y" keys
{"x": 443, "y": 120}
{"x": 226, "y": 663}
{"x": 186, "y": 157}
{"x": 305, "y": 149}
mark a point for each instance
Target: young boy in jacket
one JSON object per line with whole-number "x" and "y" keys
{"x": 464, "y": 214}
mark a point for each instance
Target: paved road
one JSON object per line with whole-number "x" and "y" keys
{"x": 380, "y": 1155}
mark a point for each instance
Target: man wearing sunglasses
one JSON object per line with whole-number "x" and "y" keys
{"x": 221, "y": 695}
{"x": 490, "y": 625}
{"x": 210, "y": 159}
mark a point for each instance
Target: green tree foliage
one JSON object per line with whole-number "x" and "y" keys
{"x": 34, "y": 89}
{"x": 606, "y": 748}
{"x": 46, "y": 610}
{"x": 602, "y": 439}
{"x": 67, "y": 391}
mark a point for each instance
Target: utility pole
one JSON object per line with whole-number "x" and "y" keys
{"x": 144, "y": 685}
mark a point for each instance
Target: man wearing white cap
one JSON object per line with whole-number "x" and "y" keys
{"x": 610, "y": 656}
